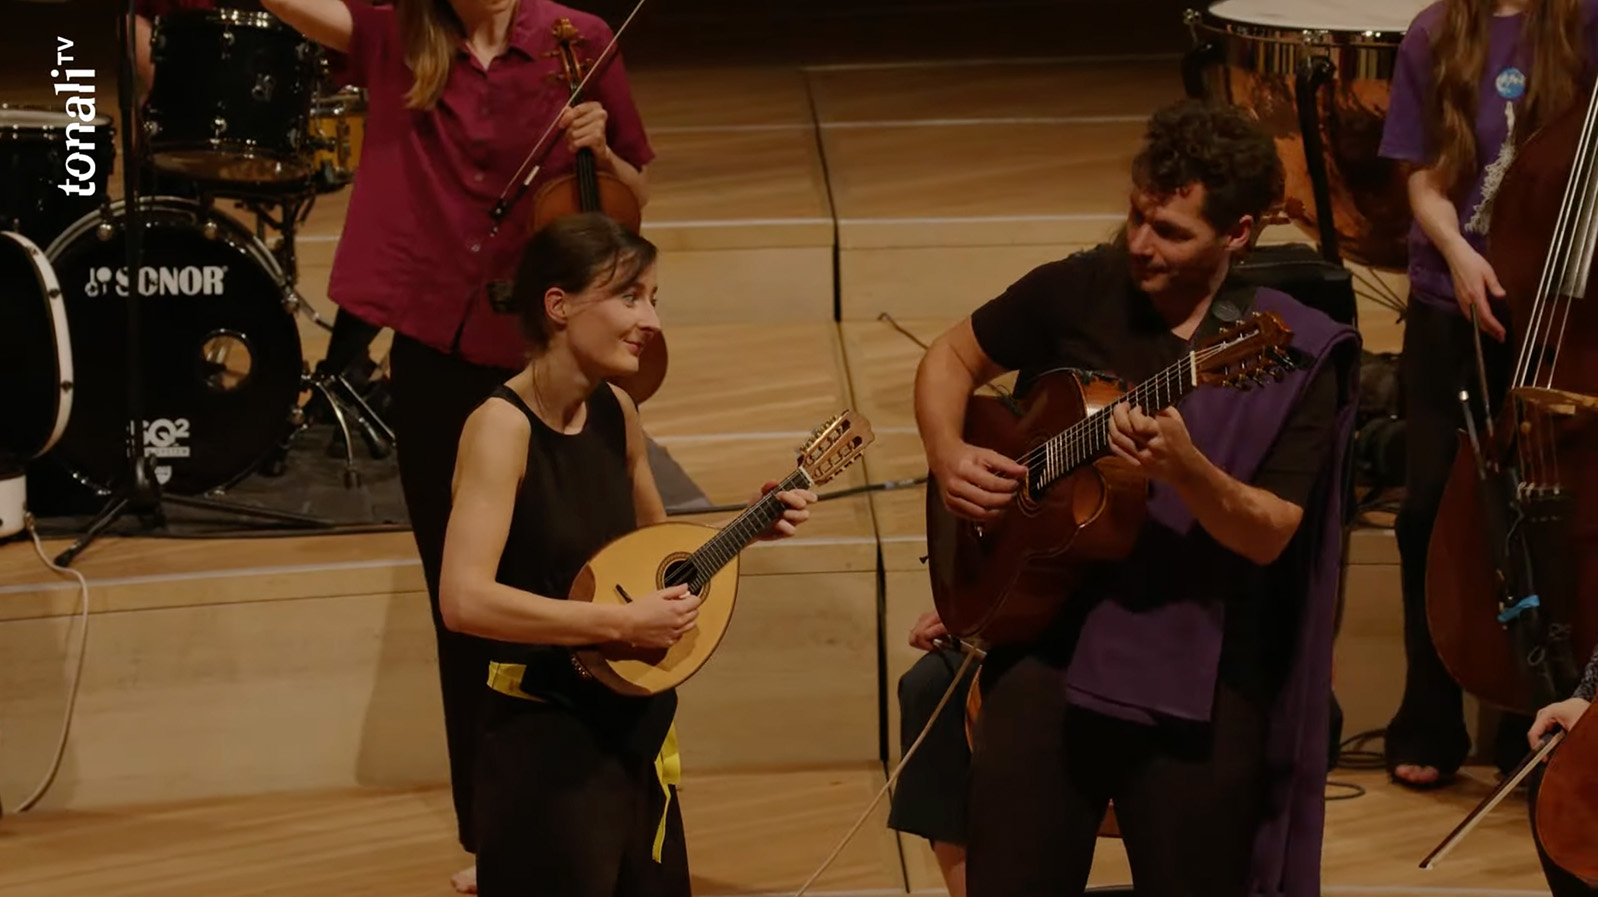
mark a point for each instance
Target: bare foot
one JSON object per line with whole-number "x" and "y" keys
{"x": 465, "y": 881}
{"x": 1416, "y": 775}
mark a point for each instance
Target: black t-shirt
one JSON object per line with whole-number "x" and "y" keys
{"x": 1085, "y": 312}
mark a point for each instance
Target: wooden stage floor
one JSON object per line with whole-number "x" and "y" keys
{"x": 794, "y": 205}
{"x": 754, "y": 833}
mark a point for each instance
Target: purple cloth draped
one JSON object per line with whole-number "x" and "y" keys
{"x": 1153, "y": 648}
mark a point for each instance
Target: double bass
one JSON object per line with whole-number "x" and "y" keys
{"x": 1512, "y": 576}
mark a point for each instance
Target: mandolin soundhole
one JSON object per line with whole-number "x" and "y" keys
{"x": 677, "y": 569}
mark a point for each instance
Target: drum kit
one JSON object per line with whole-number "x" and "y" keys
{"x": 243, "y": 109}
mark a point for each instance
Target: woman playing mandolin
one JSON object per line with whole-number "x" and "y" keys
{"x": 459, "y": 93}
{"x": 1474, "y": 78}
{"x": 574, "y": 781}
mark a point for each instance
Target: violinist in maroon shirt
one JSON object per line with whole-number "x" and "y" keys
{"x": 458, "y": 94}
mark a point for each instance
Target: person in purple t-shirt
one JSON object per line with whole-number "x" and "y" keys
{"x": 1473, "y": 79}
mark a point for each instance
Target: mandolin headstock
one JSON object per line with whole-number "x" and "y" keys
{"x": 1253, "y": 350}
{"x": 835, "y": 445}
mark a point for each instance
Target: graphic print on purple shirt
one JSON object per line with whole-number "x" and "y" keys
{"x": 1503, "y": 87}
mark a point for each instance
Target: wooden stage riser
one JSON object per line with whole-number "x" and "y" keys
{"x": 305, "y": 693}
{"x": 184, "y": 700}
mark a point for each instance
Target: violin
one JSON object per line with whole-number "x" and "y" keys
{"x": 586, "y": 190}
{"x": 1512, "y": 577}
{"x": 589, "y": 190}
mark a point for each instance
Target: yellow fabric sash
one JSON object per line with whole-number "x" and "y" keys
{"x": 506, "y": 678}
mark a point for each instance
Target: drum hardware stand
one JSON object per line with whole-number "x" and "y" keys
{"x": 1313, "y": 74}
{"x": 140, "y": 492}
{"x": 327, "y": 381}
{"x": 1200, "y": 59}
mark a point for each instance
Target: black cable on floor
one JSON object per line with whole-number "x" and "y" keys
{"x": 1351, "y": 754}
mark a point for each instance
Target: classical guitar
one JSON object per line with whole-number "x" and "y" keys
{"x": 1080, "y": 505}
{"x": 706, "y": 559}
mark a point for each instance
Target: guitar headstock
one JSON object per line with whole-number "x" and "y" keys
{"x": 1253, "y": 350}
{"x": 835, "y": 445}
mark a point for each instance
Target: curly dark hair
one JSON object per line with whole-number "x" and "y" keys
{"x": 1218, "y": 145}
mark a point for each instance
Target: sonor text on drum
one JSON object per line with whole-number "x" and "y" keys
{"x": 190, "y": 280}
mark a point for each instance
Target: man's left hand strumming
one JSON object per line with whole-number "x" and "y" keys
{"x": 1159, "y": 445}
{"x": 1251, "y": 521}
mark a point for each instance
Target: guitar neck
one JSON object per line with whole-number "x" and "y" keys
{"x": 736, "y": 536}
{"x": 1089, "y": 438}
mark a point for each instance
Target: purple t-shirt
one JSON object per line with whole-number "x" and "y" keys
{"x": 1404, "y": 138}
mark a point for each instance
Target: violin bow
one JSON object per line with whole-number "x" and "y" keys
{"x": 518, "y": 185}
{"x": 1509, "y": 784}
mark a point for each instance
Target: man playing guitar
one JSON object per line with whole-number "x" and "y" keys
{"x": 1190, "y": 683}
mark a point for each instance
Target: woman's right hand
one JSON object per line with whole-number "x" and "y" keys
{"x": 660, "y": 619}
{"x": 976, "y": 483}
{"x": 1564, "y": 714}
{"x": 1474, "y": 279}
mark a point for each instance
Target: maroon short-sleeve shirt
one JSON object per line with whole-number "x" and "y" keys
{"x": 416, "y": 253}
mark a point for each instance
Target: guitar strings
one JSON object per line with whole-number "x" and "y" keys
{"x": 1078, "y": 434}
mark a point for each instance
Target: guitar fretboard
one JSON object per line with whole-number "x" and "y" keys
{"x": 1090, "y": 437}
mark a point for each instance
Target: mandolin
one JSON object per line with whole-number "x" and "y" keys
{"x": 1004, "y": 582}
{"x": 706, "y": 559}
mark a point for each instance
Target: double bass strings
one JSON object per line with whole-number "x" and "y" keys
{"x": 1564, "y": 276}
{"x": 1559, "y": 254}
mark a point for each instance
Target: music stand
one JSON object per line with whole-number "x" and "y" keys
{"x": 140, "y": 491}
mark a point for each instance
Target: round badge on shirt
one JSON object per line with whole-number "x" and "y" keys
{"x": 1511, "y": 83}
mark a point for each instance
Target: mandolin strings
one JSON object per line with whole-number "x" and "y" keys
{"x": 726, "y": 544}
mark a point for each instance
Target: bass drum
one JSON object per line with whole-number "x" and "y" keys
{"x": 219, "y": 350}
{"x": 35, "y": 353}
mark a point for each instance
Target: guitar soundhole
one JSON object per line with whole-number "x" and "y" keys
{"x": 1030, "y": 498}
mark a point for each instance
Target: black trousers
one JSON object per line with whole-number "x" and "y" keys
{"x": 1188, "y": 799}
{"x": 560, "y": 811}
{"x": 1439, "y": 359}
{"x": 433, "y": 395}
{"x": 930, "y": 799}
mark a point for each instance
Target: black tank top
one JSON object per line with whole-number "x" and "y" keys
{"x": 575, "y": 496}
